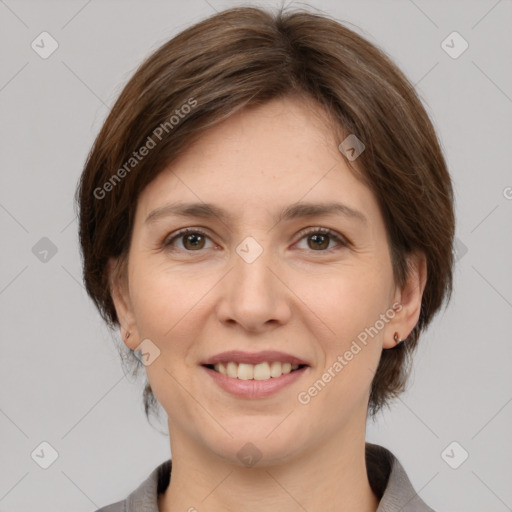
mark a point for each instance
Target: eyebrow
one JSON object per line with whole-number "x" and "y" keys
{"x": 293, "y": 211}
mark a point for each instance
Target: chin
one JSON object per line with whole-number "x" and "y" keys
{"x": 259, "y": 446}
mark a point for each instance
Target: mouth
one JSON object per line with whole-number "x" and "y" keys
{"x": 255, "y": 381}
{"x": 262, "y": 365}
{"x": 261, "y": 371}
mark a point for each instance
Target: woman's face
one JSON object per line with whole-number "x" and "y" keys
{"x": 249, "y": 282}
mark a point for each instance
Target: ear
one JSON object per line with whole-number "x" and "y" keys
{"x": 407, "y": 301}
{"x": 119, "y": 290}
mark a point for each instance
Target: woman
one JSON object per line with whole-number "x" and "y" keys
{"x": 267, "y": 217}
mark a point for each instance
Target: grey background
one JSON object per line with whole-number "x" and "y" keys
{"x": 60, "y": 377}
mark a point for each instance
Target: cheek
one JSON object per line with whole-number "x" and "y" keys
{"x": 166, "y": 306}
{"x": 171, "y": 307}
{"x": 350, "y": 301}
{"x": 351, "y": 306}
{"x": 161, "y": 298}
{"x": 156, "y": 306}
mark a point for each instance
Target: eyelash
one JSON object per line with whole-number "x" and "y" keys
{"x": 323, "y": 231}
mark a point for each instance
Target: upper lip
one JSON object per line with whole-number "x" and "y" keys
{"x": 239, "y": 356}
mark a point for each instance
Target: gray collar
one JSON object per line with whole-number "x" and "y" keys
{"x": 386, "y": 475}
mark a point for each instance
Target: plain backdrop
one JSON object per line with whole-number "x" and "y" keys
{"x": 61, "y": 381}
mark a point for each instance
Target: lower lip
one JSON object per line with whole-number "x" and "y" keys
{"x": 255, "y": 388}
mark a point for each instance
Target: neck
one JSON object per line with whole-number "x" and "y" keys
{"x": 335, "y": 471}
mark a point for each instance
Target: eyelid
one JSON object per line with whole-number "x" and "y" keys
{"x": 342, "y": 240}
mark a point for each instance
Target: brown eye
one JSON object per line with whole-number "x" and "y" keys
{"x": 319, "y": 239}
{"x": 191, "y": 240}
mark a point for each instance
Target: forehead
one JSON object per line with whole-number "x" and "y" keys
{"x": 261, "y": 159}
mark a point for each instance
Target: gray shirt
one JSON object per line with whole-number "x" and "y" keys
{"x": 386, "y": 475}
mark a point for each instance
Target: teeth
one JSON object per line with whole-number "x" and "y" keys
{"x": 261, "y": 371}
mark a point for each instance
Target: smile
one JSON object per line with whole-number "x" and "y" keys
{"x": 260, "y": 371}
{"x": 255, "y": 381}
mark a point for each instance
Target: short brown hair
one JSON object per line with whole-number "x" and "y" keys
{"x": 247, "y": 56}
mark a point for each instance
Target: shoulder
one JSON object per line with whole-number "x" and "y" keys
{"x": 390, "y": 482}
{"x": 145, "y": 497}
{"x": 120, "y": 506}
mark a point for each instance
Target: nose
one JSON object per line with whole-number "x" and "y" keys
{"x": 254, "y": 294}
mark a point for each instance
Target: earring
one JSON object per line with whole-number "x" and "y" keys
{"x": 397, "y": 338}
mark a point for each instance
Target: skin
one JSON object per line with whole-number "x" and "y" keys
{"x": 193, "y": 303}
